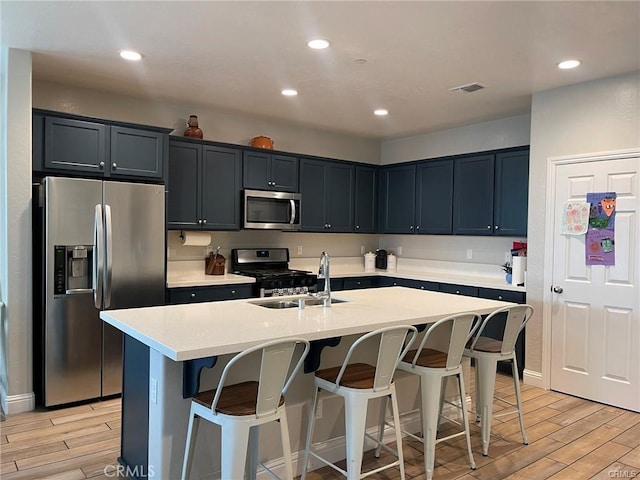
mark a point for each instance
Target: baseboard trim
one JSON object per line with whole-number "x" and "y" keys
{"x": 533, "y": 378}
{"x": 23, "y": 402}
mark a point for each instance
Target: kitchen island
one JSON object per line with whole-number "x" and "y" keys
{"x": 173, "y": 335}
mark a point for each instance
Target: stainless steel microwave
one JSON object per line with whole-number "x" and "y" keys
{"x": 271, "y": 210}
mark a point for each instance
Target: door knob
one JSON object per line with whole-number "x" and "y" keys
{"x": 557, "y": 290}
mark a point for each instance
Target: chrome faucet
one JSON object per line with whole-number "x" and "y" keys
{"x": 323, "y": 272}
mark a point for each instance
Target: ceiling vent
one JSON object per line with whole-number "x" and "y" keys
{"x": 469, "y": 88}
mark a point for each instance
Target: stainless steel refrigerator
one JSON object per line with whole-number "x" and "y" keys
{"x": 102, "y": 247}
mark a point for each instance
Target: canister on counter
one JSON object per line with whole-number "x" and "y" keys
{"x": 391, "y": 262}
{"x": 369, "y": 262}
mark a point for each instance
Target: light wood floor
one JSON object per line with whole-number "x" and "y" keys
{"x": 569, "y": 438}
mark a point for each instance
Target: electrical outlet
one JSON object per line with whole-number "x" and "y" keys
{"x": 469, "y": 254}
{"x": 362, "y": 249}
{"x": 319, "y": 409}
{"x": 507, "y": 257}
{"x": 154, "y": 390}
{"x": 299, "y": 249}
{"x": 399, "y": 250}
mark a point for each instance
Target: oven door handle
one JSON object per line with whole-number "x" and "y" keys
{"x": 293, "y": 211}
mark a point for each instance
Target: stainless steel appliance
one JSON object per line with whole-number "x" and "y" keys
{"x": 270, "y": 268}
{"x": 100, "y": 245}
{"x": 271, "y": 210}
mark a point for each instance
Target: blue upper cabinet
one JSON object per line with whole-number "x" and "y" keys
{"x": 95, "y": 148}
{"x": 491, "y": 193}
{"x": 434, "y": 197}
{"x": 327, "y": 190}
{"x": 511, "y": 193}
{"x": 365, "y": 212}
{"x": 204, "y": 186}
{"x": 267, "y": 171}
{"x": 473, "y": 195}
{"x": 397, "y": 199}
{"x": 417, "y": 198}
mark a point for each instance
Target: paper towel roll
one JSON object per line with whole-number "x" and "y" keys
{"x": 519, "y": 267}
{"x": 195, "y": 239}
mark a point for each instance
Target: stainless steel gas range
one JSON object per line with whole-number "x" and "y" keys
{"x": 270, "y": 268}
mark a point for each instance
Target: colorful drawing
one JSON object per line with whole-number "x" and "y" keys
{"x": 575, "y": 218}
{"x": 600, "y": 240}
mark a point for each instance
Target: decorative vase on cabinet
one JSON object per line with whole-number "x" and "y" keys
{"x": 193, "y": 130}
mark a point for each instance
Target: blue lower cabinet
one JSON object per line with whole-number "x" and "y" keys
{"x": 459, "y": 289}
{"x": 178, "y": 296}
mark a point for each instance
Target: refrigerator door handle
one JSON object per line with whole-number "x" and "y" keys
{"x": 109, "y": 243}
{"x": 98, "y": 256}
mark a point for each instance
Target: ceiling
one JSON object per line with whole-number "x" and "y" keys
{"x": 238, "y": 55}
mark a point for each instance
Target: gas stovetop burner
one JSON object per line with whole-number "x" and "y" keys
{"x": 270, "y": 268}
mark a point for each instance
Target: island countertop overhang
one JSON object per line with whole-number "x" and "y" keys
{"x": 191, "y": 331}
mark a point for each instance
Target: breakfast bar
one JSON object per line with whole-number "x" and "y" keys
{"x": 176, "y": 334}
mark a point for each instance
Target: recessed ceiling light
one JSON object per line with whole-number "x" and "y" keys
{"x": 568, "y": 64}
{"x": 289, "y": 92}
{"x": 381, "y": 112}
{"x": 130, "y": 55}
{"x": 318, "y": 43}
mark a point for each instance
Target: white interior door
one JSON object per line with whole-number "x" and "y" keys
{"x": 595, "y": 324}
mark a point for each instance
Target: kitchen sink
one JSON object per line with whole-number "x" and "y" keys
{"x": 293, "y": 303}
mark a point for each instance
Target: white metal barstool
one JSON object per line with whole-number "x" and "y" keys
{"x": 357, "y": 383}
{"x": 438, "y": 357}
{"x": 241, "y": 407}
{"x": 487, "y": 352}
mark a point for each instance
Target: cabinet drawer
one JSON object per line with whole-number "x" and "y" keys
{"x": 502, "y": 295}
{"x": 209, "y": 294}
{"x": 360, "y": 282}
{"x": 459, "y": 289}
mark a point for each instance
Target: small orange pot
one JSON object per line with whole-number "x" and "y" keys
{"x": 262, "y": 142}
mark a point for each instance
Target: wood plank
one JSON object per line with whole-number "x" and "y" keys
{"x": 40, "y": 413}
{"x": 630, "y": 437}
{"x": 52, "y": 437}
{"x": 3, "y": 439}
{"x": 530, "y": 419}
{"x": 84, "y": 415}
{"x": 598, "y": 459}
{"x": 59, "y": 466}
{"x": 539, "y": 470}
{"x": 580, "y": 411}
{"x": 39, "y": 460}
{"x": 583, "y": 445}
{"x": 534, "y": 433}
{"x": 106, "y": 465}
{"x": 516, "y": 460}
{"x": 568, "y": 403}
{"x": 75, "y": 474}
{"x": 107, "y": 404}
{"x": 571, "y": 432}
{"x": 34, "y": 424}
{"x": 94, "y": 438}
{"x": 616, "y": 470}
{"x": 8, "y": 467}
{"x": 632, "y": 459}
{"x": 66, "y": 427}
{"x": 626, "y": 420}
{"x": 23, "y": 451}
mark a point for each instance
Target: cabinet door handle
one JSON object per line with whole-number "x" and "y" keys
{"x": 457, "y": 292}
{"x": 101, "y": 164}
{"x": 357, "y": 227}
{"x": 199, "y": 221}
{"x": 329, "y": 225}
{"x": 114, "y": 165}
{"x": 489, "y": 227}
{"x": 233, "y": 292}
{"x": 499, "y": 297}
{"x": 204, "y": 221}
{"x": 496, "y": 227}
{"x": 193, "y": 295}
{"x": 417, "y": 227}
{"x": 410, "y": 227}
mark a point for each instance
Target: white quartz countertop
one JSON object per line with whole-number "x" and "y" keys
{"x": 185, "y": 332}
{"x": 199, "y": 279}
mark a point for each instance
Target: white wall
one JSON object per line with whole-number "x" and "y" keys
{"x": 217, "y": 125}
{"x": 16, "y": 392}
{"x": 503, "y": 133}
{"x": 597, "y": 116}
